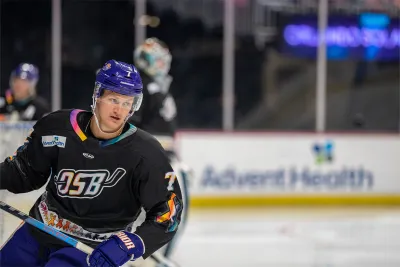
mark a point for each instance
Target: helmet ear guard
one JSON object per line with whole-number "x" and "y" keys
{"x": 138, "y": 103}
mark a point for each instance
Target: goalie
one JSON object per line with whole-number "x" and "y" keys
{"x": 102, "y": 171}
{"x": 158, "y": 112}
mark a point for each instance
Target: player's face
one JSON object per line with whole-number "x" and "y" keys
{"x": 112, "y": 109}
{"x": 20, "y": 88}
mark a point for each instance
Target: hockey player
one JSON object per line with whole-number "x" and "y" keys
{"x": 101, "y": 171}
{"x": 158, "y": 111}
{"x": 20, "y": 101}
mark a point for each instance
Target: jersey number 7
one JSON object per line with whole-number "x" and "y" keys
{"x": 171, "y": 176}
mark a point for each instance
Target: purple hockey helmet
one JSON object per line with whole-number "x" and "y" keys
{"x": 121, "y": 78}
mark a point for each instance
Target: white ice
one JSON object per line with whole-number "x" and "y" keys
{"x": 283, "y": 237}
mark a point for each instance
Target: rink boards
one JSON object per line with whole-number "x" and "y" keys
{"x": 264, "y": 168}
{"x": 257, "y": 169}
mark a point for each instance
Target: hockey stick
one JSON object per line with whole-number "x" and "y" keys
{"x": 45, "y": 228}
{"x": 67, "y": 239}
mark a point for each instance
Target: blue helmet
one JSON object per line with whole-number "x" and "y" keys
{"x": 121, "y": 78}
{"x": 27, "y": 72}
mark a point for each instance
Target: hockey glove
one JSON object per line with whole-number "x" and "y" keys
{"x": 117, "y": 250}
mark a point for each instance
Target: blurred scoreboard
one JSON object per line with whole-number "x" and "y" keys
{"x": 366, "y": 37}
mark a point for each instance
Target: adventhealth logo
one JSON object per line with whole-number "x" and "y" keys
{"x": 54, "y": 140}
{"x": 295, "y": 175}
{"x": 323, "y": 152}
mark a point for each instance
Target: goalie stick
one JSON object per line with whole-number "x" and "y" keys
{"x": 67, "y": 239}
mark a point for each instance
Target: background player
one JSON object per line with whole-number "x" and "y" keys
{"x": 20, "y": 101}
{"x": 158, "y": 111}
{"x": 102, "y": 172}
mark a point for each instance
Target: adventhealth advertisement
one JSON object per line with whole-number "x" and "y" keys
{"x": 257, "y": 164}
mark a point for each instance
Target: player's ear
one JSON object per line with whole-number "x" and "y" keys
{"x": 98, "y": 99}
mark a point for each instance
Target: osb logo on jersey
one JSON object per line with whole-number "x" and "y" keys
{"x": 85, "y": 183}
{"x": 54, "y": 140}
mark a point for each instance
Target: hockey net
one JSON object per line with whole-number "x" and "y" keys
{"x": 12, "y": 135}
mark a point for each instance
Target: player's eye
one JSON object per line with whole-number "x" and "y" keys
{"x": 113, "y": 101}
{"x": 127, "y": 105}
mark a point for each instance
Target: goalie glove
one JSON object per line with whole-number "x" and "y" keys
{"x": 117, "y": 250}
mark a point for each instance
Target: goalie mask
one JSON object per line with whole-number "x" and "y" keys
{"x": 153, "y": 57}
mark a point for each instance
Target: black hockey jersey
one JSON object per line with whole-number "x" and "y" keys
{"x": 95, "y": 187}
{"x": 31, "y": 110}
{"x": 157, "y": 114}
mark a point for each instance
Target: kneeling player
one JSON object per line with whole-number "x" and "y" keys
{"x": 102, "y": 171}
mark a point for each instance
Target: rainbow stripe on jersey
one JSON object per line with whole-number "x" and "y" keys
{"x": 74, "y": 122}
